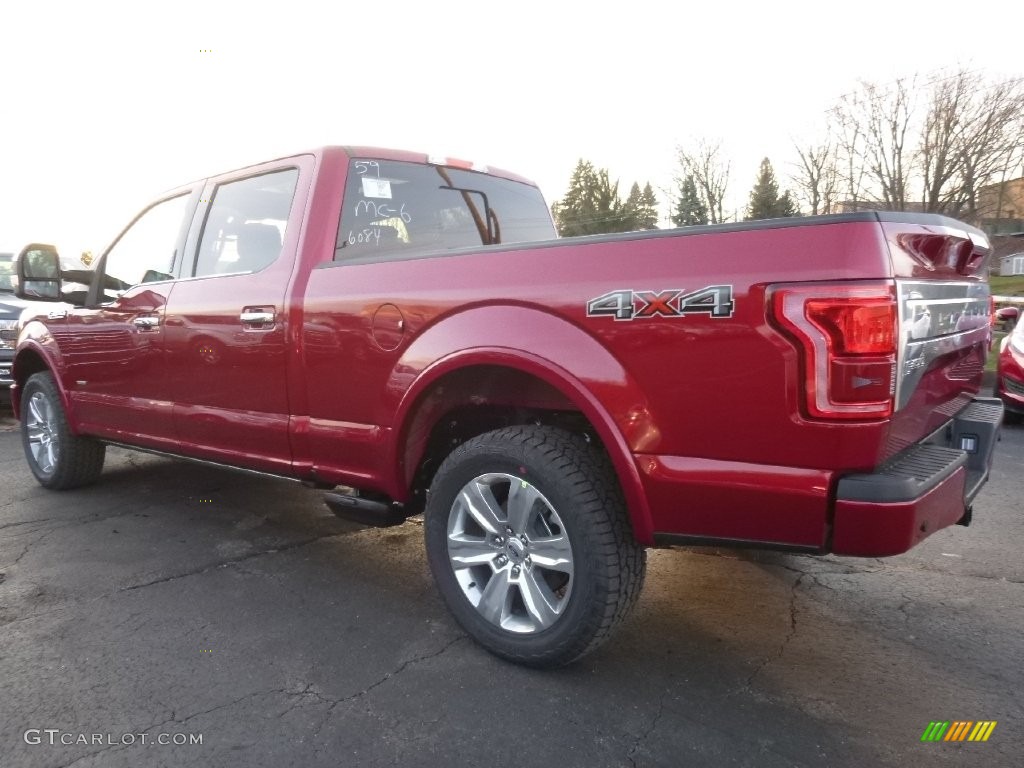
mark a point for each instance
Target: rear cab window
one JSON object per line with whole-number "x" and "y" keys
{"x": 395, "y": 210}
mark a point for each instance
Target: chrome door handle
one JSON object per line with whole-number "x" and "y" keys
{"x": 255, "y": 318}
{"x": 146, "y": 321}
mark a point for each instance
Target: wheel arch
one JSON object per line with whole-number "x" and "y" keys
{"x": 468, "y": 375}
{"x": 32, "y": 358}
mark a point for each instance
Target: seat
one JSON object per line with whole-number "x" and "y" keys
{"x": 258, "y": 246}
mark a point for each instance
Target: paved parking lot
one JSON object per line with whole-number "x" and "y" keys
{"x": 177, "y": 602}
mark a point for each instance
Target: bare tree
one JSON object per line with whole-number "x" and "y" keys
{"x": 968, "y": 136}
{"x": 889, "y": 161}
{"x": 710, "y": 173}
{"x": 817, "y": 176}
{"x": 991, "y": 142}
{"x": 874, "y": 122}
{"x": 845, "y": 121}
{"x": 939, "y": 155}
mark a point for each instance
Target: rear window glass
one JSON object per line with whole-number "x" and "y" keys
{"x": 397, "y": 210}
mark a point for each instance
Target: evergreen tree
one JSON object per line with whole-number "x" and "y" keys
{"x": 631, "y": 210}
{"x": 610, "y": 212}
{"x": 647, "y": 211}
{"x": 690, "y": 208}
{"x": 787, "y": 206}
{"x": 577, "y": 204}
{"x": 591, "y": 204}
{"x": 765, "y": 200}
{"x": 641, "y": 209}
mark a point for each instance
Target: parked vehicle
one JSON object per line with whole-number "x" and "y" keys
{"x": 11, "y": 306}
{"x": 1008, "y": 316}
{"x": 10, "y": 311}
{"x": 1010, "y": 365}
{"x": 411, "y": 328}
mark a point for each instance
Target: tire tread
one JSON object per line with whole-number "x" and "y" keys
{"x": 620, "y": 560}
{"x": 81, "y": 458}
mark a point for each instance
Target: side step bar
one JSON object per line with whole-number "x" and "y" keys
{"x": 380, "y": 514}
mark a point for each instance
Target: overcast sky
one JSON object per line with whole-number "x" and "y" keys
{"x": 104, "y": 105}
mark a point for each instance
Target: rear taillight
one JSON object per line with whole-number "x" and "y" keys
{"x": 847, "y": 333}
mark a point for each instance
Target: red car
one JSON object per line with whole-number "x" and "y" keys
{"x": 1010, "y": 377}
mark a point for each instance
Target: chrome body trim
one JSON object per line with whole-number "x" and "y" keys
{"x": 936, "y": 318}
{"x": 207, "y": 462}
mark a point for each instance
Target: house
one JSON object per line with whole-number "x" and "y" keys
{"x": 1012, "y": 264}
{"x": 1007, "y": 254}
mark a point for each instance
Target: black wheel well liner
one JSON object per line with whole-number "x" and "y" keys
{"x": 471, "y": 401}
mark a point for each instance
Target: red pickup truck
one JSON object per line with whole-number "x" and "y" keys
{"x": 410, "y": 328}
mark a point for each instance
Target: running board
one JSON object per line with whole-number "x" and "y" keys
{"x": 380, "y": 514}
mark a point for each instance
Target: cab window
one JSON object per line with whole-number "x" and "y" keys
{"x": 246, "y": 223}
{"x": 147, "y": 250}
{"x": 397, "y": 210}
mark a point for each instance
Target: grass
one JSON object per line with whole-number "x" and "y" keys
{"x": 993, "y": 355}
{"x": 1010, "y": 285}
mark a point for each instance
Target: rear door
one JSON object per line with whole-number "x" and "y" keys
{"x": 226, "y": 328}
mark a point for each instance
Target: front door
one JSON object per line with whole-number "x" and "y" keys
{"x": 113, "y": 351}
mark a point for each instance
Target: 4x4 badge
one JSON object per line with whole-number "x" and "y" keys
{"x": 715, "y": 300}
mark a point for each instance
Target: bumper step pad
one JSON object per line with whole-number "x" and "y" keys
{"x": 968, "y": 441}
{"x": 906, "y": 476}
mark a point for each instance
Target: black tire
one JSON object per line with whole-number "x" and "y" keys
{"x": 571, "y": 491}
{"x": 59, "y": 459}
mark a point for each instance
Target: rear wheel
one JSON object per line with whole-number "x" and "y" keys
{"x": 530, "y": 544}
{"x": 59, "y": 459}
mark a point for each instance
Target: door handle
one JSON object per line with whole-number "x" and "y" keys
{"x": 146, "y": 322}
{"x": 256, "y": 317}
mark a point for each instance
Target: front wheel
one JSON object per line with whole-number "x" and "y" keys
{"x": 530, "y": 544}
{"x": 58, "y": 458}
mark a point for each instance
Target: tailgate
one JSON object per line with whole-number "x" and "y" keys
{"x": 944, "y": 324}
{"x": 942, "y": 436}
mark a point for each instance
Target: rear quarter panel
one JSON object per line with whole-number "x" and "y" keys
{"x": 695, "y": 386}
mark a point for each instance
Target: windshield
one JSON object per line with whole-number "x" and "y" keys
{"x": 7, "y": 272}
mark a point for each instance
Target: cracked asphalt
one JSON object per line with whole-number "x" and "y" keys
{"x": 171, "y": 599}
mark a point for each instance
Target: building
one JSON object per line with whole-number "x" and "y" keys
{"x": 856, "y": 206}
{"x": 1001, "y": 207}
{"x": 1012, "y": 264}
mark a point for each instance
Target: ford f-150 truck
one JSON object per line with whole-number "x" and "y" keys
{"x": 410, "y": 329}
{"x": 10, "y": 310}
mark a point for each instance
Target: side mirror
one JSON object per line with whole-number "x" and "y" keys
{"x": 38, "y": 273}
{"x": 1008, "y": 313}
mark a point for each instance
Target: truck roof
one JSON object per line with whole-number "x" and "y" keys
{"x": 383, "y": 153}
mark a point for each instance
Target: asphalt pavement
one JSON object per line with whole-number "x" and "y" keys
{"x": 173, "y": 603}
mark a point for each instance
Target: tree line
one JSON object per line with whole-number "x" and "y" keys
{"x": 926, "y": 145}
{"x": 592, "y": 205}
